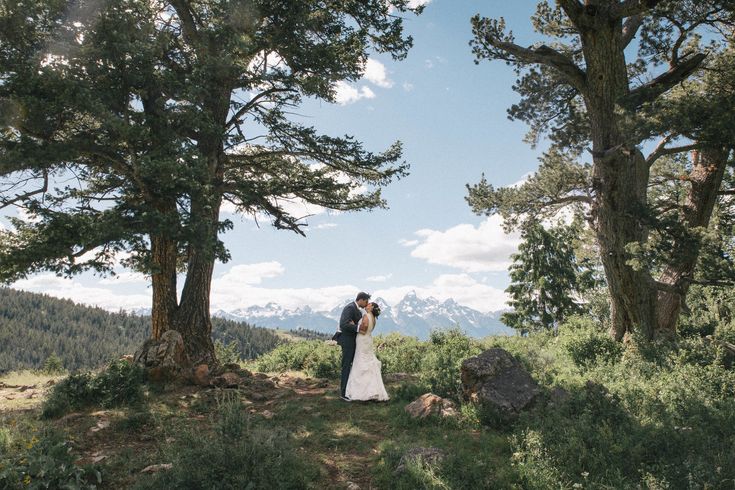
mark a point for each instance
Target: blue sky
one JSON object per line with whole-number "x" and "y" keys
{"x": 450, "y": 115}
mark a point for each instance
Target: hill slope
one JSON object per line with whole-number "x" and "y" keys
{"x": 35, "y": 326}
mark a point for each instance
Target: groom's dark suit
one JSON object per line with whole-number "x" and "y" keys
{"x": 346, "y": 338}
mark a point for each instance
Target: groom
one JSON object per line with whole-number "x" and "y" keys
{"x": 346, "y": 336}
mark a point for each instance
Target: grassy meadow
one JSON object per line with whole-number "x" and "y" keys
{"x": 640, "y": 416}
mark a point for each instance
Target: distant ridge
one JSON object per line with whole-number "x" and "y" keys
{"x": 34, "y": 326}
{"x": 411, "y": 316}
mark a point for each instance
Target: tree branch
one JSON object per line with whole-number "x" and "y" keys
{"x": 729, "y": 192}
{"x": 44, "y": 188}
{"x": 188, "y": 25}
{"x": 649, "y": 91}
{"x": 544, "y": 55}
{"x": 569, "y": 200}
{"x": 574, "y": 10}
{"x": 630, "y": 28}
{"x": 661, "y": 150}
{"x": 629, "y": 8}
{"x": 253, "y": 102}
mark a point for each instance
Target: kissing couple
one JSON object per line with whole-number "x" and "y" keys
{"x": 361, "y": 378}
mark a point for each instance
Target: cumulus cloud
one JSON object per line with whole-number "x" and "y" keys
{"x": 347, "y": 94}
{"x": 382, "y": 278}
{"x": 376, "y": 73}
{"x": 127, "y": 277}
{"x": 106, "y": 298}
{"x": 249, "y": 274}
{"x": 485, "y": 248}
{"x": 463, "y": 288}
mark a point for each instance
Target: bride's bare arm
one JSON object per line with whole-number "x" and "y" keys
{"x": 362, "y": 329}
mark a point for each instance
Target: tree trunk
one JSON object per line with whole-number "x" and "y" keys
{"x": 706, "y": 178}
{"x": 163, "y": 281}
{"x": 193, "y": 315}
{"x": 620, "y": 178}
{"x": 618, "y": 210}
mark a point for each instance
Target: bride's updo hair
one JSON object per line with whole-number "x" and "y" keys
{"x": 376, "y": 309}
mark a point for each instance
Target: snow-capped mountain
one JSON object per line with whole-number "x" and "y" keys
{"x": 410, "y": 316}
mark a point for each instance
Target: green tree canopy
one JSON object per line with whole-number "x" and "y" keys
{"x": 139, "y": 119}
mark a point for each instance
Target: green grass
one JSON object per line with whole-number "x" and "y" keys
{"x": 652, "y": 416}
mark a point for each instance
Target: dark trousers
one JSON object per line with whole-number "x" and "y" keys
{"x": 347, "y": 342}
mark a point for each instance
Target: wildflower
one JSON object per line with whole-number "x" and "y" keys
{"x": 27, "y": 480}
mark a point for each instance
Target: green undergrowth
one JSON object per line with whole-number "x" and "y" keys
{"x": 638, "y": 415}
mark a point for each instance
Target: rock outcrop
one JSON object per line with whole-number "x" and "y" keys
{"x": 498, "y": 381}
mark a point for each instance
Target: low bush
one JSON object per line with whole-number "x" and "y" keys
{"x": 237, "y": 455}
{"x": 440, "y": 368}
{"x": 399, "y": 353}
{"x": 587, "y": 344}
{"x": 44, "y": 460}
{"x": 290, "y": 356}
{"x": 662, "y": 415}
{"x": 227, "y": 353}
{"x": 118, "y": 385}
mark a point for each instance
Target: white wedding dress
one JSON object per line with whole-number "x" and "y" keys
{"x": 365, "y": 381}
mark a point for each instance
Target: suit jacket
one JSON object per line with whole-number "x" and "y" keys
{"x": 351, "y": 313}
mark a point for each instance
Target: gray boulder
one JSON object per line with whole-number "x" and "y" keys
{"x": 431, "y": 456}
{"x": 497, "y": 381}
{"x": 164, "y": 358}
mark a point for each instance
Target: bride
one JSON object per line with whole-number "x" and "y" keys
{"x": 365, "y": 381}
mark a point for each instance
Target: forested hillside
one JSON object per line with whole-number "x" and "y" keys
{"x": 35, "y": 326}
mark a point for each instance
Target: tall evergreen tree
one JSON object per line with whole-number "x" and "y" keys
{"x": 547, "y": 279}
{"x": 163, "y": 110}
{"x": 582, "y": 90}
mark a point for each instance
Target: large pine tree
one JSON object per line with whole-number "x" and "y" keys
{"x": 138, "y": 119}
{"x": 587, "y": 89}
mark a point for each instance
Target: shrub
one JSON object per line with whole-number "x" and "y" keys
{"x": 227, "y": 353}
{"x": 69, "y": 394}
{"x": 45, "y": 461}
{"x": 440, "y": 369}
{"x": 119, "y": 384}
{"x": 316, "y": 358}
{"x": 661, "y": 417}
{"x": 587, "y": 344}
{"x": 236, "y": 455}
{"x": 53, "y": 365}
{"x": 399, "y": 353}
{"x": 324, "y": 362}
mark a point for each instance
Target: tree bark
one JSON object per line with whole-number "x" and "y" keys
{"x": 163, "y": 282}
{"x": 706, "y": 178}
{"x": 620, "y": 178}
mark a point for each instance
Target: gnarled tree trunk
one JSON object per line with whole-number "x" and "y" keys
{"x": 705, "y": 178}
{"x": 620, "y": 178}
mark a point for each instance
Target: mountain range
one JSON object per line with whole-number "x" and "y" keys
{"x": 410, "y": 316}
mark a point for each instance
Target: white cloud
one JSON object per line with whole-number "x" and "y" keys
{"x": 109, "y": 299}
{"x": 407, "y": 86}
{"x": 468, "y": 248}
{"x": 383, "y": 278}
{"x": 127, "y": 277}
{"x": 347, "y": 94}
{"x": 376, "y": 73}
{"x": 326, "y": 226}
{"x": 249, "y": 274}
{"x": 408, "y": 243}
{"x": 320, "y": 299}
{"x": 417, "y": 3}
{"x": 464, "y": 289}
